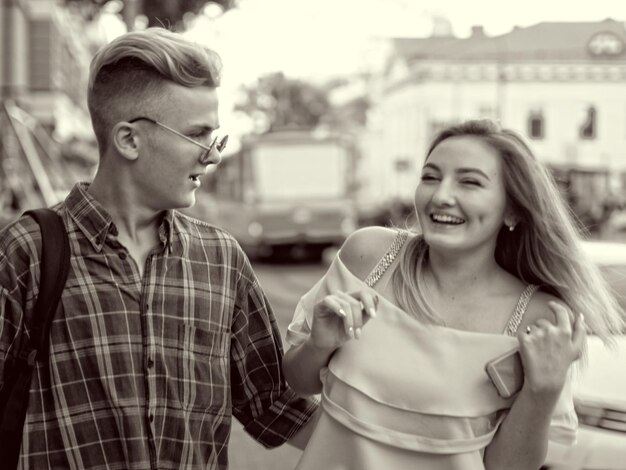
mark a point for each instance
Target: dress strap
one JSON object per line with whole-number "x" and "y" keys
{"x": 520, "y": 309}
{"x": 387, "y": 258}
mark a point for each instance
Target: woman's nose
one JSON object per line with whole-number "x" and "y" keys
{"x": 444, "y": 195}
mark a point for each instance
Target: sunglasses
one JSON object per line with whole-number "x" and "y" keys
{"x": 204, "y": 156}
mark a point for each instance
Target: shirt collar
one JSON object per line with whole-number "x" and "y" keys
{"x": 92, "y": 220}
{"x": 166, "y": 230}
{"x": 95, "y": 222}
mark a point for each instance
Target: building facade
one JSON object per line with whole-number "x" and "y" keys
{"x": 561, "y": 85}
{"x": 44, "y": 64}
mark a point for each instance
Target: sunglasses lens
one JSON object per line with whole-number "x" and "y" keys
{"x": 222, "y": 144}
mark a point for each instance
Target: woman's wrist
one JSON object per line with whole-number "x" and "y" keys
{"x": 542, "y": 397}
{"x": 320, "y": 354}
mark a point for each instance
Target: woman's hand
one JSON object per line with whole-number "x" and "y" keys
{"x": 340, "y": 317}
{"x": 549, "y": 349}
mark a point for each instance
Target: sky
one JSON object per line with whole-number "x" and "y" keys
{"x": 323, "y": 37}
{"x": 316, "y": 39}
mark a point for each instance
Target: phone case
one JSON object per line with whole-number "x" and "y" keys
{"x": 506, "y": 373}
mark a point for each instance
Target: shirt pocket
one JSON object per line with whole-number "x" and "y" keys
{"x": 202, "y": 368}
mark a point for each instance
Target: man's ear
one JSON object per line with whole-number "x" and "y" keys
{"x": 126, "y": 140}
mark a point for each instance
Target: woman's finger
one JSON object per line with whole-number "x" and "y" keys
{"x": 543, "y": 323}
{"x": 369, "y": 301}
{"x": 580, "y": 332}
{"x": 355, "y": 312}
{"x": 562, "y": 314}
{"x": 332, "y": 304}
{"x": 336, "y": 305}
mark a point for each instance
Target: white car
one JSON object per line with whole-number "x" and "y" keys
{"x": 600, "y": 390}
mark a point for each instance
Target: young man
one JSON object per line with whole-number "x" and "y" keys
{"x": 162, "y": 332}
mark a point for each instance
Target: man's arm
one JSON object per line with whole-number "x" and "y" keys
{"x": 268, "y": 409}
{"x": 18, "y": 243}
{"x": 301, "y": 438}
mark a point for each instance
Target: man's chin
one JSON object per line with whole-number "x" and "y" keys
{"x": 182, "y": 204}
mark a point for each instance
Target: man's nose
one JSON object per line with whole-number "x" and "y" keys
{"x": 214, "y": 156}
{"x": 217, "y": 148}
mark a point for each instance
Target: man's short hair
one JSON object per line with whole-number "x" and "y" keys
{"x": 128, "y": 75}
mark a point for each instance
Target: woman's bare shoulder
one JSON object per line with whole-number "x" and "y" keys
{"x": 364, "y": 248}
{"x": 538, "y": 308}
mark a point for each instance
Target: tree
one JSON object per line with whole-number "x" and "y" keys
{"x": 349, "y": 102}
{"x": 167, "y": 13}
{"x": 277, "y": 102}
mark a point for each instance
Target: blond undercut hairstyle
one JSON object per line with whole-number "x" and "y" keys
{"x": 128, "y": 76}
{"x": 544, "y": 249}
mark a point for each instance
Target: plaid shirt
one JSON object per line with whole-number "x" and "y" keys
{"x": 145, "y": 373}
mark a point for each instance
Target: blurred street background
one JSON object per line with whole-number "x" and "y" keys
{"x": 330, "y": 107}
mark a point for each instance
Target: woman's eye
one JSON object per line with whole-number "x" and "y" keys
{"x": 471, "y": 182}
{"x": 429, "y": 178}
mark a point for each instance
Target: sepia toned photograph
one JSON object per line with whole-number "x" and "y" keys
{"x": 297, "y": 235}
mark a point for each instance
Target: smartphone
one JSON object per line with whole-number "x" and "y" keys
{"x": 506, "y": 373}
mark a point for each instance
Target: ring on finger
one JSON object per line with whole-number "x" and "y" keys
{"x": 528, "y": 330}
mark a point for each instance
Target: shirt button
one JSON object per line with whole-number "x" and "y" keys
{"x": 150, "y": 363}
{"x": 151, "y": 417}
{"x": 122, "y": 255}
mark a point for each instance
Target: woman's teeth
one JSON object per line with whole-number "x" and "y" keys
{"x": 446, "y": 219}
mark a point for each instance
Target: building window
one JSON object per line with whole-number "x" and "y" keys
{"x": 536, "y": 125}
{"x": 588, "y": 128}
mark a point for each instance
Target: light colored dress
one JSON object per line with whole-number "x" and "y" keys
{"x": 407, "y": 395}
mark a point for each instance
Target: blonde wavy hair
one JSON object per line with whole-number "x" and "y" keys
{"x": 544, "y": 249}
{"x": 128, "y": 75}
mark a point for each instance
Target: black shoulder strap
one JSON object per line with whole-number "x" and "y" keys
{"x": 54, "y": 267}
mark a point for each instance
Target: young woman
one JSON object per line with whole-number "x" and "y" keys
{"x": 398, "y": 333}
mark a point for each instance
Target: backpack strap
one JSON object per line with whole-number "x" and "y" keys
{"x": 18, "y": 371}
{"x": 53, "y": 267}
{"x": 387, "y": 259}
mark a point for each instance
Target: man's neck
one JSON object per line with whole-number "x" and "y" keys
{"x": 135, "y": 222}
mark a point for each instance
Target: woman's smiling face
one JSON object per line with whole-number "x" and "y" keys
{"x": 461, "y": 198}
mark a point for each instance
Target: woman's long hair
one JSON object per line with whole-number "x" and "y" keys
{"x": 544, "y": 248}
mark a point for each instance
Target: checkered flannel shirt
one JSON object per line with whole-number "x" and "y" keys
{"x": 146, "y": 372}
